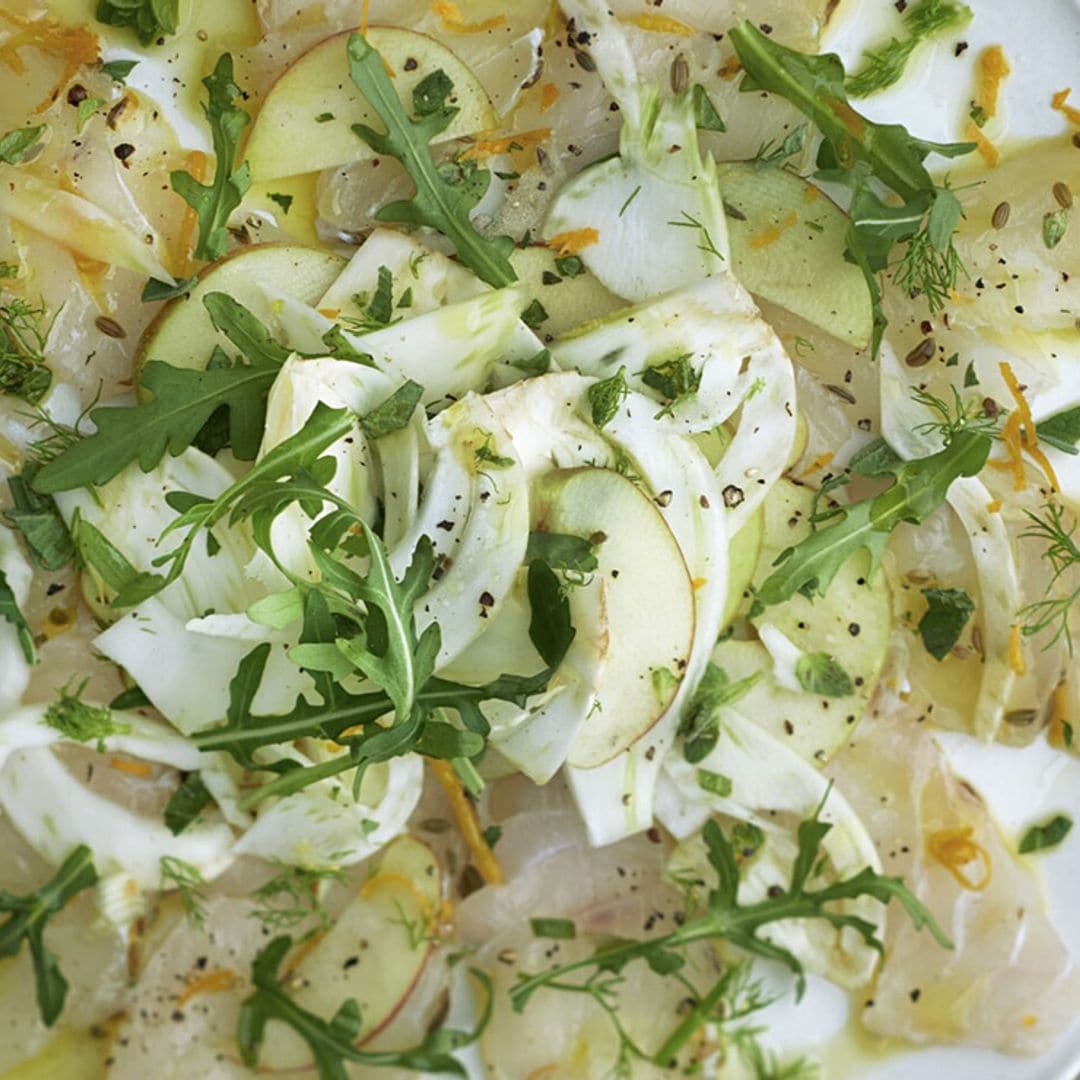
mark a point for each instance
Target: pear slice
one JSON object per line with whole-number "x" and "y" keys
{"x": 305, "y": 123}
{"x": 639, "y": 558}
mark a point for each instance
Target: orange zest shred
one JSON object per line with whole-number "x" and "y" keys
{"x": 699, "y": 583}
{"x": 139, "y": 769}
{"x": 1060, "y": 734}
{"x": 520, "y": 141}
{"x": 329, "y": 312}
{"x": 955, "y": 849}
{"x": 468, "y": 823}
{"x": 1029, "y": 1021}
{"x": 549, "y": 94}
{"x": 1017, "y": 663}
{"x": 570, "y": 243}
{"x": 365, "y": 11}
{"x": 217, "y": 981}
{"x": 195, "y": 164}
{"x": 992, "y": 69}
{"x": 769, "y": 236}
{"x": 1019, "y": 435}
{"x": 994, "y": 506}
{"x": 660, "y": 24}
{"x": 818, "y": 463}
{"x": 454, "y": 22}
{"x": 1060, "y": 102}
{"x": 987, "y": 150}
{"x": 75, "y": 46}
{"x": 730, "y": 68}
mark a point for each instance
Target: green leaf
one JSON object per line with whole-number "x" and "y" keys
{"x": 539, "y": 364}
{"x": 333, "y": 1042}
{"x": 919, "y": 488}
{"x": 439, "y": 202}
{"x": 86, "y": 109}
{"x": 570, "y": 266}
{"x": 394, "y": 413}
{"x": 573, "y": 554}
{"x": 705, "y": 114}
{"x": 1062, "y": 430}
{"x": 701, "y": 722}
{"x": 284, "y": 201}
{"x": 714, "y": 783}
{"x": 132, "y": 698}
{"x": 39, "y": 522}
{"x": 26, "y": 922}
{"x": 947, "y": 613}
{"x": 213, "y": 203}
{"x": 674, "y": 380}
{"x": 76, "y": 720}
{"x": 16, "y": 145}
{"x": 882, "y": 68}
{"x": 9, "y": 611}
{"x": 534, "y": 315}
{"x": 150, "y": 19}
{"x": 431, "y": 92}
{"x": 110, "y": 567}
{"x": 1047, "y": 835}
{"x": 186, "y": 804}
{"x": 606, "y": 396}
{"x": 118, "y": 70}
{"x": 820, "y": 673}
{"x": 549, "y": 628}
{"x": 556, "y": 929}
{"x": 155, "y": 290}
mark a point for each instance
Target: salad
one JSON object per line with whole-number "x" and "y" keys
{"x": 505, "y": 508}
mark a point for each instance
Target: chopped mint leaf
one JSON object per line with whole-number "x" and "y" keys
{"x": 1047, "y": 835}
{"x": 820, "y": 673}
{"x": 947, "y": 613}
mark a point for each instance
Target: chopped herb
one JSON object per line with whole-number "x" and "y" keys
{"x": 629, "y": 199}
{"x": 324, "y": 118}
{"x": 150, "y": 19}
{"x": 492, "y": 835}
{"x": 1055, "y": 225}
{"x": 714, "y": 783}
{"x": 406, "y": 300}
{"x": 539, "y": 364}
{"x": 556, "y": 929}
{"x": 186, "y": 804}
{"x": 24, "y": 331}
{"x": 1061, "y": 430}
{"x": 570, "y": 266}
{"x": 38, "y": 520}
{"x": 155, "y": 290}
{"x": 27, "y": 918}
{"x": 85, "y": 109}
{"x": 17, "y": 145}
{"x": 606, "y": 396}
{"x": 486, "y": 454}
{"x": 10, "y": 612}
{"x": 394, "y": 413}
{"x": 548, "y": 278}
{"x": 701, "y": 723}
{"x": 76, "y": 720}
{"x": 1062, "y": 554}
{"x": 431, "y": 93}
{"x": 293, "y": 896}
{"x": 688, "y": 221}
{"x": 284, "y": 201}
{"x": 1047, "y": 835}
{"x": 132, "y": 698}
{"x": 947, "y": 613}
{"x": 978, "y": 115}
{"x": 214, "y": 203}
{"x": 181, "y": 876}
{"x": 534, "y": 315}
{"x": 820, "y": 673}
{"x": 884, "y": 67}
{"x": 771, "y": 156}
{"x": 118, "y": 70}
{"x": 674, "y": 380}
{"x": 439, "y": 202}
{"x": 573, "y": 554}
{"x": 378, "y": 309}
{"x": 705, "y": 114}
{"x": 970, "y": 376}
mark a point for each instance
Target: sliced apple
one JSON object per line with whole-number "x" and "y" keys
{"x": 851, "y": 623}
{"x": 568, "y": 301}
{"x": 744, "y": 553}
{"x": 375, "y": 952}
{"x": 305, "y": 123}
{"x": 787, "y": 245}
{"x": 639, "y": 557}
{"x": 182, "y": 334}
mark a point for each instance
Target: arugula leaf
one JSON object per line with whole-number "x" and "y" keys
{"x": 333, "y": 1042}
{"x": 701, "y": 723}
{"x": 606, "y": 396}
{"x": 186, "y": 803}
{"x": 39, "y": 522}
{"x": 1062, "y": 430}
{"x": 439, "y": 202}
{"x": 884, "y": 67}
{"x": 16, "y": 145}
{"x": 856, "y": 151}
{"x": 719, "y": 916}
{"x": 150, "y": 19}
{"x": 820, "y": 673}
{"x": 109, "y": 566}
{"x": 394, "y": 413}
{"x": 26, "y": 922}
{"x": 550, "y": 628}
{"x": 947, "y": 613}
{"x": 919, "y": 488}
{"x": 9, "y": 611}
{"x": 1047, "y": 835}
{"x": 213, "y": 203}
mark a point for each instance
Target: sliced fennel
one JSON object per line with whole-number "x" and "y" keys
{"x": 653, "y": 216}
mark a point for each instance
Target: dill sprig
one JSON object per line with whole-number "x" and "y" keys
{"x": 1062, "y": 553}
{"x": 24, "y": 330}
{"x": 294, "y": 895}
{"x": 185, "y": 879}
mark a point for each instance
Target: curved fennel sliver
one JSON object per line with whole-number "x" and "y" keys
{"x": 766, "y": 779}
{"x": 54, "y": 813}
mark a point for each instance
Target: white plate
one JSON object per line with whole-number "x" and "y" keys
{"x": 1041, "y": 39}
